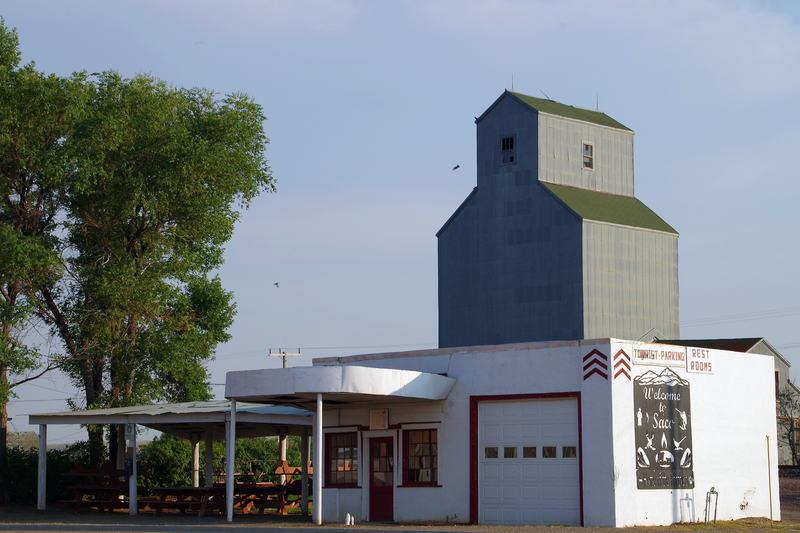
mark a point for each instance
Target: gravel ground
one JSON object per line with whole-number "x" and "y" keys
{"x": 59, "y": 518}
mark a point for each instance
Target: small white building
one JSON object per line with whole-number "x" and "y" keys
{"x": 605, "y": 432}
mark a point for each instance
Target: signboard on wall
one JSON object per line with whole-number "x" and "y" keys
{"x": 378, "y": 419}
{"x": 699, "y": 361}
{"x": 658, "y": 355}
{"x": 130, "y": 432}
{"x": 663, "y": 431}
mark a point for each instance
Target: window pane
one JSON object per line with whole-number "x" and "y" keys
{"x": 529, "y": 452}
{"x": 548, "y": 452}
{"x": 342, "y": 458}
{"x": 510, "y": 452}
{"x": 420, "y": 461}
{"x": 569, "y": 451}
{"x": 490, "y": 452}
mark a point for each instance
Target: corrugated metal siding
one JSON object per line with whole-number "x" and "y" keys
{"x": 630, "y": 282}
{"x": 508, "y": 118}
{"x": 561, "y": 157}
{"x": 510, "y": 270}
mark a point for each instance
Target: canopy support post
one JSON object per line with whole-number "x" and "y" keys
{"x": 133, "y": 489}
{"x": 195, "y": 460}
{"x": 230, "y": 466}
{"x": 282, "y": 451}
{"x": 304, "y": 477}
{"x": 42, "y": 496}
{"x": 209, "y": 456}
{"x": 318, "y": 462}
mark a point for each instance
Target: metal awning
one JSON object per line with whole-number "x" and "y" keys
{"x": 345, "y": 384}
{"x": 193, "y": 419}
{"x": 222, "y": 419}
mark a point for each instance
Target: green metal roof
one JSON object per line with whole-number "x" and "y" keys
{"x": 604, "y": 207}
{"x": 562, "y": 110}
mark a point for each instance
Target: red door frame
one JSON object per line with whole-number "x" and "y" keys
{"x": 381, "y": 498}
{"x": 473, "y": 442}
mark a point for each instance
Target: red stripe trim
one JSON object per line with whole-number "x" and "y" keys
{"x": 595, "y": 352}
{"x": 622, "y": 371}
{"x": 595, "y": 362}
{"x": 474, "y": 510}
{"x": 595, "y": 371}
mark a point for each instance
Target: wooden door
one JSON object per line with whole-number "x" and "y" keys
{"x": 381, "y": 475}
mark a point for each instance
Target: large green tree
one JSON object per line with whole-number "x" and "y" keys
{"x": 162, "y": 173}
{"x": 118, "y": 197}
{"x": 37, "y": 114}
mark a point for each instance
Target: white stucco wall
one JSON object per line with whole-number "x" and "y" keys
{"x": 732, "y": 412}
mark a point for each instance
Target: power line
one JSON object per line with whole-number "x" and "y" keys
{"x": 251, "y": 353}
{"x": 743, "y": 317}
{"x": 46, "y": 400}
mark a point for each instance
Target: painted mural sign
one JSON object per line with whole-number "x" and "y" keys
{"x": 658, "y": 355}
{"x": 663, "y": 431}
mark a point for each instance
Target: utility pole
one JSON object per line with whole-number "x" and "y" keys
{"x": 283, "y": 355}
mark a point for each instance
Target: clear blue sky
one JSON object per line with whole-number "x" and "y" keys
{"x": 371, "y": 104}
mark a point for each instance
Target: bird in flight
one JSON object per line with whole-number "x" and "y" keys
{"x": 277, "y": 285}
{"x": 457, "y": 166}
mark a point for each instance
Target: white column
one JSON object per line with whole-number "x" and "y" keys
{"x": 209, "y": 455}
{"x": 318, "y": 467}
{"x": 282, "y": 451}
{"x": 230, "y": 458}
{"x": 304, "y": 478}
{"x": 195, "y": 460}
{"x": 133, "y": 490}
{"x": 42, "y": 496}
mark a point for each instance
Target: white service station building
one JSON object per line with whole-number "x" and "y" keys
{"x": 605, "y": 432}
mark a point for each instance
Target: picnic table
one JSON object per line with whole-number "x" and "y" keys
{"x": 105, "y": 488}
{"x": 182, "y": 498}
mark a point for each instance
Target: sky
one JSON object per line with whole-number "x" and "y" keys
{"x": 371, "y": 104}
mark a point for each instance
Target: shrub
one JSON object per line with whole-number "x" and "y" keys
{"x": 23, "y": 467}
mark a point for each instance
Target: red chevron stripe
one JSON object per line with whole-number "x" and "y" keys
{"x": 622, "y": 362}
{"x": 622, "y": 371}
{"x": 595, "y": 371}
{"x": 595, "y": 352}
{"x": 595, "y": 362}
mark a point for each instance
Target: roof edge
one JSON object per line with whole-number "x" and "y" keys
{"x": 457, "y": 211}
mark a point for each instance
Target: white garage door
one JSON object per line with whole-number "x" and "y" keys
{"x": 528, "y": 462}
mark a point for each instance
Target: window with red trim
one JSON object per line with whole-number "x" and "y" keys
{"x": 342, "y": 459}
{"x": 421, "y": 457}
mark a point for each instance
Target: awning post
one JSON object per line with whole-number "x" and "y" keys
{"x": 195, "y": 460}
{"x": 42, "y": 482}
{"x": 230, "y": 467}
{"x": 209, "y": 455}
{"x": 304, "y": 477}
{"x": 133, "y": 489}
{"x": 282, "y": 451}
{"x": 318, "y": 467}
